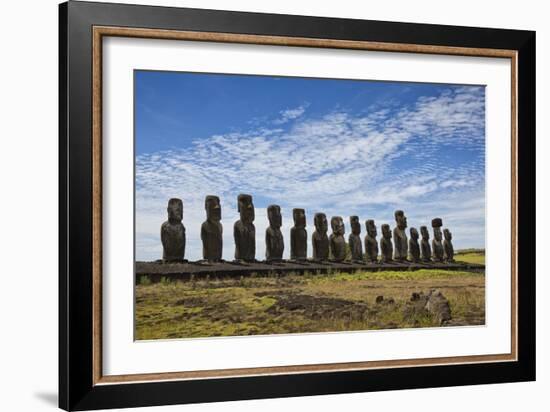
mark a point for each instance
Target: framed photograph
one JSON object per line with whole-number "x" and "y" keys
{"x": 256, "y": 205}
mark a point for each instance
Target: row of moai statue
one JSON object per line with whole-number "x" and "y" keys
{"x": 325, "y": 248}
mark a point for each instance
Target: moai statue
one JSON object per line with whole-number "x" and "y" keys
{"x": 386, "y": 246}
{"x": 319, "y": 239}
{"x": 298, "y": 235}
{"x": 437, "y": 245}
{"x": 448, "y": 246}
{"x": 172, "y": 233}
{"x": 336, "y": 240}
{"x": 371, "y": 245}
{"x": 414, "y": 247}
{"x": 425, "y": 245}
{"x": 354, "y": 239}
{"x": 400, "y": 237}
{"x": 274, "y": 243}
{"x": 212, "y": 230}
{"x": 244, "y": 231}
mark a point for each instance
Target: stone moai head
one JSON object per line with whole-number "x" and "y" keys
{"x": 386, "y": 232}
{"x": 213, "y": 208}
{"x": 299, "y": 216}
{"x": 371, "y": 228}
{"x": 320, "y": 221}
{"x": 274, "y": 216}
{"x": 355, "y": 225}
{"x": 337, "y": 225}
{"x": 175, "y": 210}
{"x": 424, "y": 232}
{"x": 414, "y": 233}
{"x": 448, "y": 235}
{"x": 436, "y": 225}
{"x": 400, "y": 219}
{"x": 245, "y": 208}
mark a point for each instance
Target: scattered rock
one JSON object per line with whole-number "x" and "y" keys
{"x": 433, "y": 304}
{"x": 318, "y": 307}
{"x": 380, "y": 300}
{"x": 438, "y": 306}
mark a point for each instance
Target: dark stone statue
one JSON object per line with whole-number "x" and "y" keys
{"x": 448, "y": 246}
{"x": 244, "y": 231}
{"x": 437, "y": 245}
{"x": 354, "y": 240}
{"x": 172, "y": 233}
{"x": 425, "y": 245}
{"x": 212, "y": 230}
{"x": 371, "y": 245}
{"x": 414, "y": 247}
{"x": 274, "y": 243}
{"x": 386, "y": 246}
{"x": 298, "y": 235}
{"x": 400, "y": 237}
{"x": 319, "y": 238}
{"x": 336, "y": 240}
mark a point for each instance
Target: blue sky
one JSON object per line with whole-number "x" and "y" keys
{"x": 343, "y": 147}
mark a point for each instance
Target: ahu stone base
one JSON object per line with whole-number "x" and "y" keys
{"x": 155, "y": 271}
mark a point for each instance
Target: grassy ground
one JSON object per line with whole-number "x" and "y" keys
{"x": 471, "y": 256}
{"x": 302, "y": 303}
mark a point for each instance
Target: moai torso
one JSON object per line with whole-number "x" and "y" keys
{"x": 425, "y": 248}
{"x": 355, "y": 246}
{"x": 354, "y": 240}
{"x": 400, "y": 237}
{"x": 298, "y": 236}
{"x": 437, "y": 245}
{"x": 212, "y": 230}
{"x": 371, "y": 245}
{"x": 448, "y": 246}
{"x": 319, "y": 239}
{"x": 274, "y": 243}
{"x": 172, "y": 233}
{"x": 336, "y": 241}
{"x": 414, "y": 247}
{"x": 386, "y": 246}
{"x": 244, "y": 231}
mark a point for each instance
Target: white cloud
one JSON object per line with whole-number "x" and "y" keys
{"x": 339, "y": 163}
{"x": 291, "y": 114}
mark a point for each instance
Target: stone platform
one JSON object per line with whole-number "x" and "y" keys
{"x": 155, "y": 271}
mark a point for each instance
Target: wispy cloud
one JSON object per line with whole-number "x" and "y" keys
{"x": 340, "y": 163}
{"x": 291, "y": 114}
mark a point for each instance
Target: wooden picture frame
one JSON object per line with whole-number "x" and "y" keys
{"x": 82, "y": 384}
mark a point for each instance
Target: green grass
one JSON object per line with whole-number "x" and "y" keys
{"x": 471, "y": 257}
{"x": 300, "y": 303}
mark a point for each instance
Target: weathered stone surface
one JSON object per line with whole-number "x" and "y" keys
{"x": 274, "y": 243}
{"x": 336, "y": 240}
{"x": 354, "y": 239}
{"x": 386, "y": 246}
{"x": 448, "y": 246}
{"x": 437, "y": 245}
{"x": 425, "y": 245}
{"x": 212, "y": 230}
{"x": 438, "y": 306}
{"x": 400, "y": 237}
{"x": 298, "y": 235}
{"x": 319, "y": 239}
{"x": 414, "y": 247}
{"x": 172, "y": 233}
{"x": 371, "y": 245}
{"x": 155, "y": 271}
{"x": 433, "y": 304}
{"x": 244, "y": 231}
